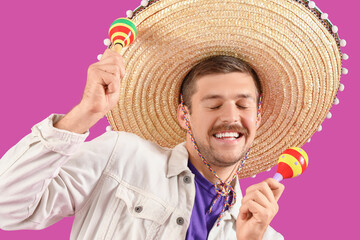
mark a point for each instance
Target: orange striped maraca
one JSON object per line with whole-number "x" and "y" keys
{"x": 122, "y": 32}
{"x": 292, "y": 162}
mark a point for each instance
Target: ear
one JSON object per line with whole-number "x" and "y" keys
{"x": 181, "y": 117}
{"x": 258, "y": 121}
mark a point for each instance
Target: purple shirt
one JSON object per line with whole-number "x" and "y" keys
{"x": 201, "y": 222}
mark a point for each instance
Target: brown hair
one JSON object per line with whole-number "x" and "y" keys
{"x": 215, "y": 64}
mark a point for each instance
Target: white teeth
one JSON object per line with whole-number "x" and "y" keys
{"x": 228, "y": 135}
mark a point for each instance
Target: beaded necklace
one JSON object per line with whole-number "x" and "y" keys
{"x": 222, "y": 188}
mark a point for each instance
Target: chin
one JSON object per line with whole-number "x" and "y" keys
{"x": 225, "y": 160}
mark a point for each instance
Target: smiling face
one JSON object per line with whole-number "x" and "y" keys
{"x": 223, "y": 117}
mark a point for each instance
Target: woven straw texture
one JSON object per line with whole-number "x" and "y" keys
{"x": 297, "y": 59}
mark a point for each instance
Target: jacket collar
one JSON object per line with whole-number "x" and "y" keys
{"x": 233, "y": 211}
{"x": 178, "y": 160}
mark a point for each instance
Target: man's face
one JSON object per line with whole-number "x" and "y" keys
{"x": 223, "y": 117}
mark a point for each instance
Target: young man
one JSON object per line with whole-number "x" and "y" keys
{"x": 123, "y": 186}
{"x": 107, "y": 179}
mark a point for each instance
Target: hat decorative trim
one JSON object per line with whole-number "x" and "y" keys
{"x": 323, "y": 17}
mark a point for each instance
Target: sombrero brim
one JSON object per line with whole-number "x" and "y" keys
{"x": 296, "y": 57}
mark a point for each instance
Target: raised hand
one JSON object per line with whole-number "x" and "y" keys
{"x": 258, "y": 208}
{"x": 100, "y": 95}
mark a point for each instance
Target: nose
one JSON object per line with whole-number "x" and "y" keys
{"x": 230, "y": 113}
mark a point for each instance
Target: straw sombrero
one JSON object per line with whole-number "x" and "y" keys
{"x": 291, "y": 45}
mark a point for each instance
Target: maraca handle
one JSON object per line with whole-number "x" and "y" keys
{"x": 117, "y": 48}
{"x": 278, "y": 177}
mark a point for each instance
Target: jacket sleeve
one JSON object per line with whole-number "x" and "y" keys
{"x": 49, "y": 175}
{"x": 271, "y": 234}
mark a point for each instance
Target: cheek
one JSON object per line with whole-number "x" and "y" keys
{"x": 201, "y": 124}
{"x": 250, "y": 121}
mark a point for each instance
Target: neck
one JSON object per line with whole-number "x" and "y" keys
{"x": 224, "y": 173}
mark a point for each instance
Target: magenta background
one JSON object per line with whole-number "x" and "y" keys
{"x": 46, "y": 47}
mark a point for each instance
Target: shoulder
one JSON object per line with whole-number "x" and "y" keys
{"x": 125, "y": 141}
{"x": 133, "y": 154}
{"x": 138, "y": 145}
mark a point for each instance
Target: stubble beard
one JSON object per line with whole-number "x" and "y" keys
{"x": 218, "y": 159}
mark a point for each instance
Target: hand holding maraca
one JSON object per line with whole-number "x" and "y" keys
{"x": 259, "y": 205}
{"x": 102, "y": 87}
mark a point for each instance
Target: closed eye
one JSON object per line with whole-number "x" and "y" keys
{"x": 216, "y": 107}
{"x": 241, "y": 107}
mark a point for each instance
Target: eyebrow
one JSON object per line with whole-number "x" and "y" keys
{"x": 216, "y": 96}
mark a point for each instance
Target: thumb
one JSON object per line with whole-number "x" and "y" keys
{"x": 276, "y": 187}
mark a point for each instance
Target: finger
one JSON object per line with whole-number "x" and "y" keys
{"x": 276, "y": 187}
{"x": 109, "y": 81}
{"x": 258, "y": 197}
{"x": 271, "y": 188}
{"x": 118, "y": 63}
{"x": 244, "y": 211}
{"x": 111, "y": 88}
{"x": 258, "y": 213}
{"x": 245, "y": 215}
{"x": 112, "y": 55}
{"x": 264, "y": 188}
{"x": 251, "y": 208}
{"x": 109, "y": 52}
{"x": 109, "y": 68}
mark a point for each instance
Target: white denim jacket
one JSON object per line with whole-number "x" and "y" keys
{"x": 118, "y": 186}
